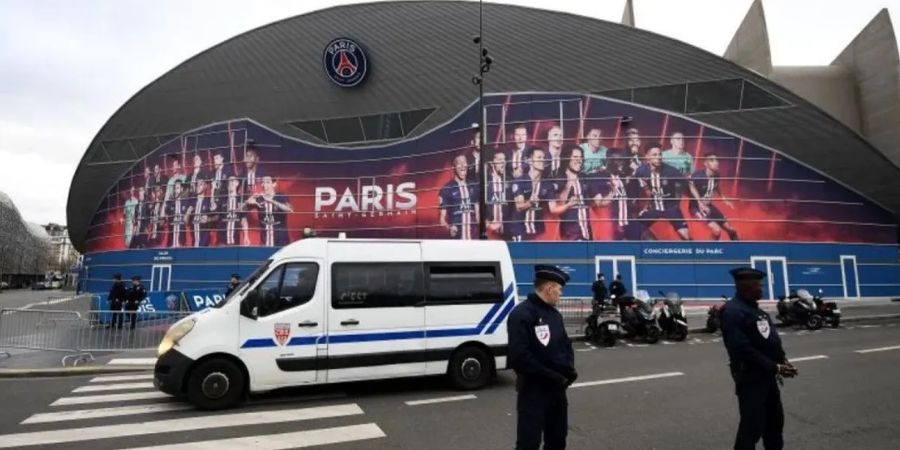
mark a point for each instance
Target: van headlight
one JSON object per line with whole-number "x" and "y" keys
{"x": 175, "y": 334}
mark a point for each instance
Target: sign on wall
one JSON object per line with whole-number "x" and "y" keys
{"x": 559, "y": 168}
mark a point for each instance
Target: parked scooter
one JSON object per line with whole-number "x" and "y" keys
{"x": 799, "y": 310}
{"x": 639, "y": 318}
{"x": 672, "y": 320}
{"x": 603, "y": 326}
{"x": 829, "y": 311}
{"x": 714, "y": 316}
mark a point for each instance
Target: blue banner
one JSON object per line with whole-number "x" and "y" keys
{"x": 200, "y": 299}
{"x": 165, "y": 301}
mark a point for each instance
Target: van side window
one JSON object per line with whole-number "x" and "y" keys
{"x": 463, "y": 283}
{"x": 289, "y": 286}
{"x": 376, "y": 285}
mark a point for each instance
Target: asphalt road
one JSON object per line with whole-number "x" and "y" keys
{"x": 842, "y": 399}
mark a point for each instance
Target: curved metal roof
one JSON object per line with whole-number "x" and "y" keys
{"x": 422, "y": 56}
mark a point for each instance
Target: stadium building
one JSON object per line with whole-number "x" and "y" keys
{"x": 605, "y": 148}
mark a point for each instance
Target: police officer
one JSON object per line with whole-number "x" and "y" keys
{"x": 136, "y": 294}
{"x": 116, "y": 298}
{"x": 617, "y": 287}
{"x": 233, "y": 284}
{"x": 757, "y": 362}
{"x": 541, "y": 354}
{"x": 599, "y": 289}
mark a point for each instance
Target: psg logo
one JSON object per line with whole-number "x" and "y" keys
{"x": 345, "y": 62}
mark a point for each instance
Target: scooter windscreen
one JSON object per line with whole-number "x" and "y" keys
{"x": 673, "y": 298}
{"x": 804, "y": 294}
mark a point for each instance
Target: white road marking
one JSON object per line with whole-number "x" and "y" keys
{"x": 81, "y": 414}
{"x": 114, "y": 387}
{"x": 135, "y": 377}
{"x": 132, "y": 362}
{"x": 107, "y": 398}
{"x": 584, "y": 350}
{"x": 870, "y": 326}
{"x": 880, "y": 349}
{"x": 668, "y": 343}
{"x": 808, "y": 358}
{"x": 441, "y": 400}
{"x": 627, "y": 379}
{"x": 177, "y": 425}
{"x": 299, "y": 439}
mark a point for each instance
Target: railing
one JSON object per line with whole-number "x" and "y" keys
{"x": 80, "y": 335}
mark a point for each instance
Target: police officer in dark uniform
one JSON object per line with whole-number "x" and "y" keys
{"x": 599, "y": 289}
{"x": 617, "y": 287}
{"x": 541, "y": 354}
{"x": 757, "y": 362}
{"x": 116, "y": 298}
{"x": 233, "y": 284}
{"x": 136, "y": 294}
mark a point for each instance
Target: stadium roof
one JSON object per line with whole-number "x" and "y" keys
{"x": 422, "y": 57}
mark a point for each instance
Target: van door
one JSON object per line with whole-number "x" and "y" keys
{"x": 377, "y": 316}
{"x": 279, "y": 338}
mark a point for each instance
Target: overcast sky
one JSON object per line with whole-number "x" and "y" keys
{"x": 66, "y": 66}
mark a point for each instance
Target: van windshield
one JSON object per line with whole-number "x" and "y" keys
{"x": 243, "y": 286}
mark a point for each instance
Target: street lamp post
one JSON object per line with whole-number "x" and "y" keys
{"x": 484, "y": 66}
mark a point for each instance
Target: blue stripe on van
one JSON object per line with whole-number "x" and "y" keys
{"x": 490, "y": 313}
{"x": 259, "y": 343}
{"x": 502, "y": 316}
{"x": 506, "y": 305}
{"x": 381, "y": 336}
{"x": 304, "y": 340}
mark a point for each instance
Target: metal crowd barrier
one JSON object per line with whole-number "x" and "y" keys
{"x": 80, "y": 335}
{"x": 574, "y": 311}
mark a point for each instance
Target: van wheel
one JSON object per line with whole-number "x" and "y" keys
{"x": 470, "y": 368}
{"x": 216, "y": 384}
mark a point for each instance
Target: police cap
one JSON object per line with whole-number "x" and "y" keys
{"x": 746, "y": 273}
{"x": 136, "y": 278}
{"x": 550, "y": 273}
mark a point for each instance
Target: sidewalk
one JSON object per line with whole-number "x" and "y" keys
{"x": 30, "y": 363}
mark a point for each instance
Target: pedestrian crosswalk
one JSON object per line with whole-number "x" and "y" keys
{"x": 126, "y": 412}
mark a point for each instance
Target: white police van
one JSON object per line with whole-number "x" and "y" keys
{"x": 337, "y": 310}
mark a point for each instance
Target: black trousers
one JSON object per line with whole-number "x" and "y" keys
{"x": 116, "y": 308}
{"x": 541, "y": 411}
{"x": 759, "y": 402}
{"x": 132, "y": 314}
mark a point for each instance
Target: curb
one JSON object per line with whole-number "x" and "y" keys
{"x": 69, "y": 371}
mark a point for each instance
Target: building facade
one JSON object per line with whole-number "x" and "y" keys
{"x": 24, "y": 247}
{"x": 621, "y": 151}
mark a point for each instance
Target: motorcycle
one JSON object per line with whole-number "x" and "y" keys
{"x": 829, "y": 311}
{"x": 795, "y": 309}
{"x": 714, "y": 316}
{"x": 672, "y": 320}
{"x": 639, "y": 318}
{"x": 603, "y": 326}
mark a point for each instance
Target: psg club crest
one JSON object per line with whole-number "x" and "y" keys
{"x": 171, "y": 301}
{"x": 345, "y": 62}
{"x": 282, "y": 333}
